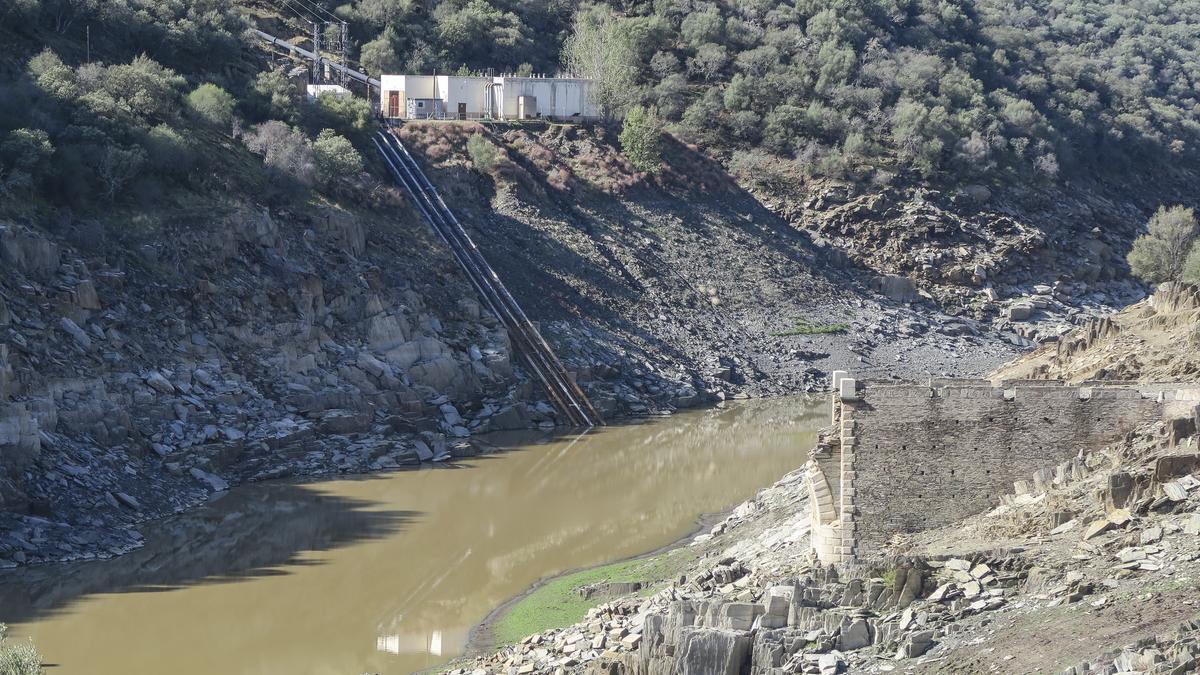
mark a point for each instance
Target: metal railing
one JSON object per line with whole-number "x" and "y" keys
{"x": 564, "y": 393}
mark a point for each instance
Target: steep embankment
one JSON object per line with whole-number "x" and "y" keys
{"x": 1156, "y": 340}
{"x": 685, "y": 267}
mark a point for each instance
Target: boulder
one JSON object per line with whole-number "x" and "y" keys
{"x": 29, "y": 253}
{"x": 71, "y": 328}
{"x": 213, "y": 481}
{"x": 712, "y": 651}
{"x": 159, "y": 383}
{"x": 1019, "y": 311}
{"x": 856, "y": 635}
{"x": 898, "y": 288}
{"x": 20, "y": 438}
{"x": 440, "y": 374}
{"x": 386, "y": 331}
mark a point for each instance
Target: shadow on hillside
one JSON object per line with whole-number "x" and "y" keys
{"x": 248, "y": 533}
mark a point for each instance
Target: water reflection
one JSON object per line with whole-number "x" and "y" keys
{"x": 410, "y": 561}
{"x": 246, "y": 533}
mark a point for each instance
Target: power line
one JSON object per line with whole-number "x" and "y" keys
{"x": 319, "y": 10}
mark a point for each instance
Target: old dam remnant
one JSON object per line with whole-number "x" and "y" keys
{"x": 902, "y": 457}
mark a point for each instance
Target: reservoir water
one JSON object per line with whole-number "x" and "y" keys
{"x": 388, "y": 573}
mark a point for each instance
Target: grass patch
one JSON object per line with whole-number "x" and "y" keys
{"x": 803, "y": 327}
{"x": 556, "y": 604}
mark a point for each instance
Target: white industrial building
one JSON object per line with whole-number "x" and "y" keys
{"x": 472, "y": 97}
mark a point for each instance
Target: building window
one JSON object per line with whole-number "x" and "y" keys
{"x": 420, "y": 104}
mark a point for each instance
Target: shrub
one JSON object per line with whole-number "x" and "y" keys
{"x": 275, "y": 97}
{"x": 168, "y": 151}
{"x": 1159, "y": 254}
{"x": 484, "y": 155}
{"x": 1191, "y": 267}
{"x": 53, "y": 76}
{"x": 142, "y": 88}
{"x": 18, "y": 659}
{"x": 347, "y": 115}
{"x": 285, "y": 151}
{"x": 212, "y": 105}
{"x": 24, "y": 158}
{"x": 641, "y": 139}
{"x": 336, "y": 156}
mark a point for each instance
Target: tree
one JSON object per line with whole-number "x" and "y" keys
{"x": 1159, "y": 255}
{"x": 379, "y": 55}
{"x": 336, "y": 156}
{"x": 53, "y": 76}
{"x": 275, "y": 97}
{"x": 116, "y": 166}
{"x": 212, "y": 105}
{"x": 142, "y": 88}
{"x": 347, "y": 115}
{"x": 597, "y": 49}
{"x": 641, "y": 139}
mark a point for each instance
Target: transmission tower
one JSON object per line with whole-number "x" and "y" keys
{"x": 344, "y": 40}
{"x": 318, "y": 39}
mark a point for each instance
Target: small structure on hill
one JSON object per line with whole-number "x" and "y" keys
{"x": 474, "y": 97}
{"x": 315, "y": 91}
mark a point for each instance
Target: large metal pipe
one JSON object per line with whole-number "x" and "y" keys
{"x": 271, "y": 39}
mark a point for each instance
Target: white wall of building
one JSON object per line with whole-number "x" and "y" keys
{"x": 562, "y": 98}
{"x": 469, "y": 90}
{"x": 556, "y": 97}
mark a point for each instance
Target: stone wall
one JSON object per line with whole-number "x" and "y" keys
{"x": 907, "y": 457}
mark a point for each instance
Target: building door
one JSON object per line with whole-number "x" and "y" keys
{"x": 393, "y": 104}
{"x": 462, "y": 111}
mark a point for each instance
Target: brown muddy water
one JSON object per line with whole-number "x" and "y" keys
{"x": 388, "y": 573}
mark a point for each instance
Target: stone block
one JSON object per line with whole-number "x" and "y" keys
{"x": 847, "y": 389}
{"x": 711, "y": 651}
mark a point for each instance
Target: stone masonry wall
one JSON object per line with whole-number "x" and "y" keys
{"x": 913, "y": 456}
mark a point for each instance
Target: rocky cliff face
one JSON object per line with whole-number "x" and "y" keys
{"x": 139, "y": 375}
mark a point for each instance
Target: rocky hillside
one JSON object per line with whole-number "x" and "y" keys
{"x": 1157, "y": 339}
{"x": 685, "y": 265}
{"x": 146, "y": 364}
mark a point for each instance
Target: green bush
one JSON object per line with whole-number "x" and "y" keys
{"x": 336, "y": 157}
{"x": 18, "y": 659}
{"x": 212, "y": 105}
{"x": 347, "y": 115}
{"x": 485, "y": 156}
{"x": 274, "y": 97}
{"x": 1159, "y": 254}
{"x": 641, "y": 139}
{"x": 1191, "y": 267}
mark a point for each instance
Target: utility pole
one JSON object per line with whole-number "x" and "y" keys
{"x": 89, "y": 43}
{"x": 317, "y": 26}
{"x": 344, "y": 38}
